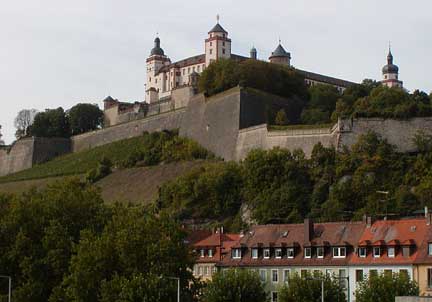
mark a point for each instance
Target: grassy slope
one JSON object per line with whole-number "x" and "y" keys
{"x": 77, "y": 163}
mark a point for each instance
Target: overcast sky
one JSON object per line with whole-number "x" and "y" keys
{"x": 58, "y": 53}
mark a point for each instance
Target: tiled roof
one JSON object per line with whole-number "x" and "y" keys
{"x": 217, "y": 29}
{"x": 392, "y": 233}
{"x": 199, "y": 59}
{"x": 325, "y": 79}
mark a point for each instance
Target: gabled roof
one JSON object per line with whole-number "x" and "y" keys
{"x": 218, "y": 29}
{"x": 280, "y": 52}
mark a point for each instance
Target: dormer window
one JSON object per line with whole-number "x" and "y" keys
{"x": 362, "y": 252}
{"x": 307, "y": 252}
{"x": 202, "y": 253}
{"x": 290, "y": 252}
{"x": 376, "y": 252}
{"x": 254, "y": 253}
{"x": 391, "y": 252}
{"x": 339, "y": 252}
{"x": 210, "y": 253}
{"x": 236, "y": 253}
{"x": 320, "y": 252}
{"x": 430, "y": 248}
{"x": 278, "y": 253}
{"x": 266, "y": 253}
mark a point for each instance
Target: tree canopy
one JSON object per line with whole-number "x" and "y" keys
{"x": 50, "y": 123}
{"x": 235, "y": 286}
{"x": 308, "y": 288}
{"x": 385, "y": 287}
{"x": 84, "y": 118}
{"x": 23, "y": 121}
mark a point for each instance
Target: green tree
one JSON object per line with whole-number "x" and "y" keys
{"x": 219, "y": 76}
{"x": 84, "y": 118}
{"x": 308, "y": 289}
{"x": 50, "y": 123}
{"x": 385, "y": 288}
{"x": 281, "y": 118}
{"x": 321, "y": 104}
{"x": 38, "y": 231}
{"x": 131, "y": 260}
{"x": 235, "y": 286}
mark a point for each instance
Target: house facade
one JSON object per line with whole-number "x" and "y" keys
{"x": 348, "y": 251}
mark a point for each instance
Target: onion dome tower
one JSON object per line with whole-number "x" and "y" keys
{"x": 280, "y": 56}
{"x": 391, "y": 73}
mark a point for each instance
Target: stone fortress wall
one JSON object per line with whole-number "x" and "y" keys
{"x": 229, "y": 124}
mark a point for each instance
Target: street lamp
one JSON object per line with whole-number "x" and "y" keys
{"x": 10, "y": 286}
{"x": 178, "y": 286}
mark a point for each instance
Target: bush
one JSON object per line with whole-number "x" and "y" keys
{"x": 103, "y": 169}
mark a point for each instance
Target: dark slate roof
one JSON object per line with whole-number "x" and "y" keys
{"x": 325, "y": 79}
{"x": 390, "y": 67}
{"x": 218, "y": 29}
{"x": 280, "y": 52}
{"x": 109, "y": 99}
{"x": 199, "y": 59}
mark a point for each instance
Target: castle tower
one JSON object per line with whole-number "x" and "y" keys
{"x": 217, "y": 45}
{"x": 391, "y": 73}
{"x": 253, "y": 53}
{"x": 280, "y": 56}
{"x": 155, "y": 62}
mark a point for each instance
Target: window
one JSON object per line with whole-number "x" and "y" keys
{"x": 391, "y": 252}
{"x": 193, "y": 69}
{"x": 429, "y": 277}
{"x": 286, "y": 275}
{"x": 263, "y": 275}
{"x": 290, "y": 252}
{"x": 307, "y": 252}
{"x": 303, "y": 273}
{"x": 406, "y": 251}
{"x": 254, "y": 253}
{"x": 223, "y": 43}
{"x": 362, "y": 252}
{"x": 359, "y": 275}
{"x": 210, "y": 253}
{"x": 202, "y": 253}
{"x": 320, "y": 252}
{"x": 211, "y": 43}
{"x": 198, "y": 68}
{"x": 278, "y": 253}
{"x": 149, "y": 79}
{"x": 376, "y": 252}
{"x": 275, "y": 276}
{"x": 274, "y": 296}
{"x": 404, "y": 273}
{"x": 342, "y": 278}
{"x": 430, "y": 249}
{"x": 236, "y": 253}
{"x": 184, "y": 71}
{"x": 223, "y": 50}
{"x": 339, "y": 252}
{"x": 266, "y": 253}
{"x": 211, "y": 51}
{"x": 188, "y": 70}
{"x": 373, "y": 273}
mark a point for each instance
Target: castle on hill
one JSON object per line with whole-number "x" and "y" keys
{"x": 170, "y": 85}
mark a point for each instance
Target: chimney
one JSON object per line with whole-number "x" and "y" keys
{"x": 308, "y": 230}
{"x": 429, "y": 219}
{"x": 369, "y": 221}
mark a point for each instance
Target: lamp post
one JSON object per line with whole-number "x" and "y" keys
{"x": 178, "y": 286}
{"x": 10, "y": 286}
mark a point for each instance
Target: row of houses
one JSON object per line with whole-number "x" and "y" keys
{"x": 350, "y": 251}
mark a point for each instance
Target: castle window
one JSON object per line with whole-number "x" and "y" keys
{"x": 198, "y": 68}
{"x": 223, "y": 43}
{"x": 223, "y": 35}
{"x": 184, "y": 71}
{"x": 211, "y": 51}
{"x": 156, "y": 81}
{"x": 223, "y": 50}
{"x": 149, "y": 79}
{"x": 211, "y": 44}
{"x": 188, "y": 70}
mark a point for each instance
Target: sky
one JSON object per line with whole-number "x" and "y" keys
{"x": 60, "y": 52}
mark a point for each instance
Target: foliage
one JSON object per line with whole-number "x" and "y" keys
{"x": 132, "y": 259}
{"x": 385, "y": 288}
{"x": 1, "y": 140}
{"x": 308, "y": 289}
{"x": 38, "y": 231}
{"x": 103, "y": 169}
{"x": 148, "y": 149}
{"x": 282, "y": 186}
{"x": 50, "y": 123}
{"x": 272, "y": 78}
{"x": 23, "y": 121}
{"x": 281, "y": 118}
{"x": 322, "y": 102}
{"x": 84, "y": 118}
{"x": 235, "y": 286}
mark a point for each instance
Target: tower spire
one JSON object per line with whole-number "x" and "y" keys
{"x": 217, "y": 18}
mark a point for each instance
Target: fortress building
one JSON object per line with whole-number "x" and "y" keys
{"x": 391, "y": 73}
{"x": 164, "y": 76}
